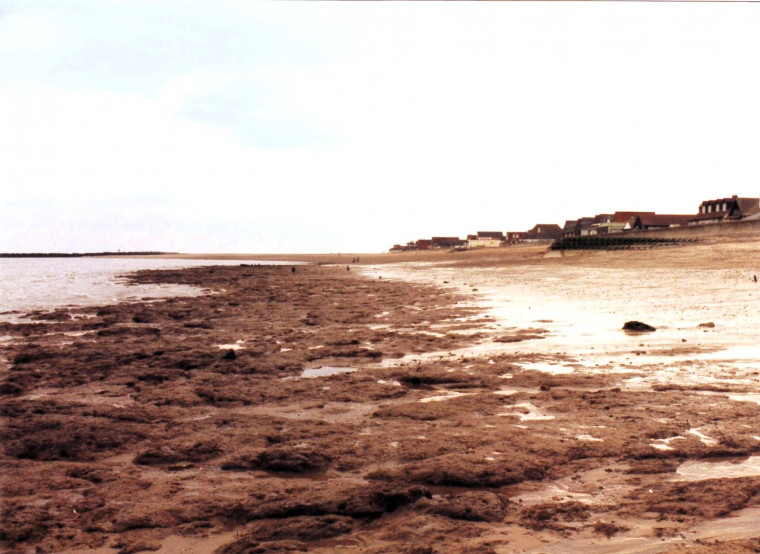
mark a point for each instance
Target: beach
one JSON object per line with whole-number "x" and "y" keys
{"x": 418, "y": 402}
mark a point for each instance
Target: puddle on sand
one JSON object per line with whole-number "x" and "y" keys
{"x": 325, "y": 371}
{"x": 734, "y": 353}
{"x": 445, "y": 396}
{"x": 746, "y": 397}
{"x": 556, "y": 492}
{"x": 554, "y": 369}
{"x": 175, "y": 544}
{"x": 530, "y": 413}
{"x": 664, "y": 444}
{"x": 741, "y": 525}
{"x": 692, "y": 470}
{"x": 237, "y": 345}
{"x": 509, "y": 391}
{"x": 709, "y": 441}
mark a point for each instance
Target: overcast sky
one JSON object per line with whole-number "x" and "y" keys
{"x": 238, "y": 126}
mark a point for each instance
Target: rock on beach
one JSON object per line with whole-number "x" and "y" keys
{"x": 638, "y": 327}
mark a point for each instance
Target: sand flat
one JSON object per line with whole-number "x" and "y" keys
{"x": 128, "y": 428}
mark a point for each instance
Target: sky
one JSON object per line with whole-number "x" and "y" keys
{"x": 282, "y": 127}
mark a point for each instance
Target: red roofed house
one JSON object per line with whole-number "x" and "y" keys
{"x": 569, "y": 229}
{"x": 656, "y": 221}
{"x": 619, "y": 220}
{"x": 601, "y": 224}
{"x": 727, "y": 209}
{"x": 545, "y": 231}
{"x": 447, "y": 242}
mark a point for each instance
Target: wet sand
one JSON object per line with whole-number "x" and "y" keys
{"x": 469, "y": 402}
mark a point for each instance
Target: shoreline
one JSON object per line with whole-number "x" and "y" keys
{"x": 125, "y": 447}
{"x": 81, "y": 254}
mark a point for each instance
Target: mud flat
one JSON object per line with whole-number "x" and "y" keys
{"x": 393, "y": 408}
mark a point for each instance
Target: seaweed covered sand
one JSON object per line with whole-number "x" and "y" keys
{"x": 293, "y": 411}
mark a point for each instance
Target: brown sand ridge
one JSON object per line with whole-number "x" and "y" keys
{"x": 344, "y": 411}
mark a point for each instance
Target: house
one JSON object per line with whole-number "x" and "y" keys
{"x": 726, "y": 209}
{"x": 513, "y": 237}
{"x": 447, "y": 242}
{"x": 656, "y": 221}
{"x": 600, "y": 225}
{"x": 569, "y": 229}
{"x": 485, "y": 239}
{"x": 583, "y": 228}
{"x": 491, "y": 235}
{"x": 424, "y": 244}
{"x": 545, "y": 231}
{"x": 620, "y": 219}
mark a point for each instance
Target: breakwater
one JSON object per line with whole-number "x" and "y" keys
{"x": 606, "y": 242}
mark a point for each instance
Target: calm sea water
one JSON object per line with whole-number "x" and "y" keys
{"x": 48, "y": 283}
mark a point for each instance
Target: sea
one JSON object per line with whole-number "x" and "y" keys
{"x": 28, "y": 284}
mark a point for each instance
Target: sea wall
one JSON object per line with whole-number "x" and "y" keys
{"x": 738, "y": 229}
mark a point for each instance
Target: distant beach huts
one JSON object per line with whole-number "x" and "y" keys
{"x": 722, "y": 210}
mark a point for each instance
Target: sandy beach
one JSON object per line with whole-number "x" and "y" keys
{"x": 419, "y": 402}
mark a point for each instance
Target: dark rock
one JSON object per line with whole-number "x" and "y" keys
{"x": 297, "y": 460}
{"x": 608, "y": 529}
{"x": 554, "y": 515}
{"x": 373, "y": 502}
{"x": 709, "y": 324}
{"x": 58, "y": 315}
{"x": 32, "y": 355}
{"x": 229, "y": 355}
{"x": 120, "y": 329}
{"x": 56, "y": 438}
{"x": 199, "y": 452}
{"x": 470, "y": 506}
{"x": 469, "y": 471}
{"x": 302, "y": 528}
{"x": 11, "y": 389}
{"x": 638, "y": 327}
{"x": 143, "y": 317}
{"x": 365, "y": 502}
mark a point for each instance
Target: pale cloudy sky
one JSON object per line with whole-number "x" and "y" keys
{"x": 224, "y": 126}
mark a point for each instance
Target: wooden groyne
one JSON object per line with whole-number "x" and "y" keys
{"x": 598, "y": 242}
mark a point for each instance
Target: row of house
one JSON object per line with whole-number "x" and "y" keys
{"x": 721, "y": 210}
{"x": 485, "y": 239}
